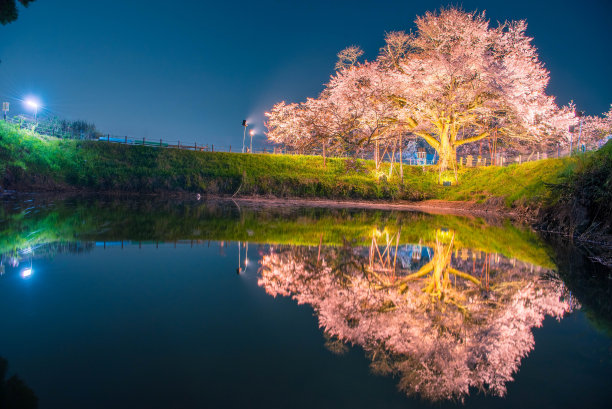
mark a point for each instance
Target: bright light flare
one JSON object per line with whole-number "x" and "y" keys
{"x": 251, "y": 132}
{"x": 31, "y": 103}
{"x": 27, "y": 272}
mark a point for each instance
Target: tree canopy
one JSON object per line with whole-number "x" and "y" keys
{"x": 455, "y": 80}
{"x": 9, "y": 11}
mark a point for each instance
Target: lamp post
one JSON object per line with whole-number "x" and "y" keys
{"x": 33, "y": 104}
{"x": 251, "y": 133}
{"x": 244, "y": 124}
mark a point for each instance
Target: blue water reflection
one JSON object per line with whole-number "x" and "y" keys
{"x": 137, "y": 310}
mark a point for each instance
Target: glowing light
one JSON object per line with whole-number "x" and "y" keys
{"x": 34, "y": 104}
{"x": 25, "y": 273}
{"x": 251, "y": 132}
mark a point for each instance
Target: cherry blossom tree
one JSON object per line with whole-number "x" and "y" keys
{"x": 596, "y": 128}
{"x": 348, "y": 57}
{"x": 454, "y": 81}
{"x": 362, "y": 95}
{"x": 460, "y": 79}
{"x": 309, "y": 126}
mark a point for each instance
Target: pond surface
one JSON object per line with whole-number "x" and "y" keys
{"x": 190, "y": 304}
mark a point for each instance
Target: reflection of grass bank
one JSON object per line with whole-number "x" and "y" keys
{"x": 168, "y": 221}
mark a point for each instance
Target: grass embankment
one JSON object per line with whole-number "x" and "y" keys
{"x": 29, "y": 161}
{"x": 35, "y": 162}
{"x": 581, "y": 203}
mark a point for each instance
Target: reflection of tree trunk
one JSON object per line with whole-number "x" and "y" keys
{"x": 439, "y": 266}
{"x": 319, "y": 252}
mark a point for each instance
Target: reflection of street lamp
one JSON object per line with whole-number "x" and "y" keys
{"x": 251, "y": 133}
{"x": 246, "y": 258}
{"x": 244, "y": 123}
{"x": 33, "y": 104}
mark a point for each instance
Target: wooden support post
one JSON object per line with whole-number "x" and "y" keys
{"x": 195, "y": 146}
{"x": 212, "y": 148}
{"x": 143, "y": 141}
{"x": 230, "y": 151}
{"x": 179, "y": 144}
{"x": 107, "y": 137}
{"x": 126, "y": 139}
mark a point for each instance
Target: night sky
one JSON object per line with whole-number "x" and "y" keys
{"x": 192, "y": 70}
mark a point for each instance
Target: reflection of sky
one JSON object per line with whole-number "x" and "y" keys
{"x": 128, "y": 326}
{"x": 171, "y": 327}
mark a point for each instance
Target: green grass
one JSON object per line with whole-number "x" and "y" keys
{"x": 29, "y": 161}
{"x": 517, "y": 184}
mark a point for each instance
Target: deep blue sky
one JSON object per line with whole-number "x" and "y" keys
{"x": 192, "y": 70}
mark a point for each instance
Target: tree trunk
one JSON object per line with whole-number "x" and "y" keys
{"x": 392, "y": 163}
{"x": 447, "y": 153}
{"x": 401, "y": 159}
{"x": 376, "y": 153}
{"x": 324, "y": 155}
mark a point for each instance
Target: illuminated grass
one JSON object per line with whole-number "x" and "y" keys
{"x": 30, "y": 161}
{"x": 99, "y": 220}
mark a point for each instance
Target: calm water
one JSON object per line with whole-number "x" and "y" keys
{"x": 169, "y": 304}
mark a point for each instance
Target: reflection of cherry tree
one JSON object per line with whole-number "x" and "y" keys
{"x": 437, "y": 329}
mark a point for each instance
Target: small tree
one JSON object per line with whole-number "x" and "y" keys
{"x": 596, "y": 128}
{"x": 362, "y": 95}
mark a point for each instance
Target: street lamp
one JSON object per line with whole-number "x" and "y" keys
{"x": 244, "y": 124}
{"x": 33, "y": 104}
{"x": 251, "y": 134}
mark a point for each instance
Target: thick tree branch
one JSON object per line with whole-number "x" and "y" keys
{"x": 473, "y": 138}
{"x": 429, "y": 139}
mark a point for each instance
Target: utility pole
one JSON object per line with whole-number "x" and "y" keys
{"x": 251, "y": 134}
{"x": 244, "y": 124}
